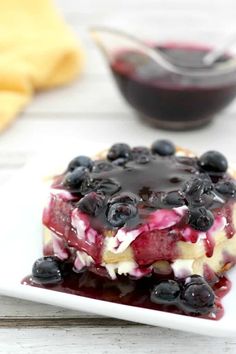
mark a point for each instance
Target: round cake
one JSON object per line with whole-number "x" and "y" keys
{"x": 138, "y": 211}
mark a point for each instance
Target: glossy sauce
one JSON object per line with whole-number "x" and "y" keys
{"x": 126, "y": 291}
{"x": 170, "y": 97}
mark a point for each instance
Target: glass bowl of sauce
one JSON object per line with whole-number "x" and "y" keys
{"x": 168, "y": 99}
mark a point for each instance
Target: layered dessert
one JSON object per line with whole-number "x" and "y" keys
{"x": 159, "y": 216}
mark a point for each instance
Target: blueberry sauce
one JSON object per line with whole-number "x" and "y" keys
{"x": 127, "y": 291}
{"x": 171, "y": 100}
{"x": 141, "y": 180}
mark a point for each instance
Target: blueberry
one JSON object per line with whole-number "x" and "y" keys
{"x": 201, "y": 219}
{"x": 194, "y": 279}
{"x": 226, "y": 188}
{"x": 166, "y": 292}
{"x": 143, "y": 159}
{"x": 119, "y": 213}
{"x": 85, "y": 187}
{"x": 125, "y": 197}
{"x": 141, "y": 154}
{"x": 74, "y": 179}
{"x": 47, "y": 270}
{"x": 197, "y": 297}
{"x": 140, "y": 150}
{"x": 198, "y": 185}
{"x": 107, "y": 186}
{"x": 78, "y": 161}
{"x": 102, "y": 166}
{"x": 155, "y": 200}
{"x": 173, "y": 200}
{"x": 91, "y": 204}
{"x": 196, "y": 188}
{"x": 163, "y": 148}
{"x": 121, "y": 161}
{"x": 213, "y": 161}
{"x": 119, "y": 150}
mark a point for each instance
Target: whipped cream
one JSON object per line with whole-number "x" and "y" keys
{"x": 58, "y": 246}
{"x": 182, "y": 267}
{"x": 121, "y": 241}
{"x": 82, "y": 260}
{"x": 84, "y": 231}
{"x": 66, "y": 195}
{"x": 163, "y": 218}
{"x": 79, "y": 224}
{"x": 126, "y": 267}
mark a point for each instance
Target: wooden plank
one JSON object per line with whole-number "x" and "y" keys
{"x": 55, "y": 322}
{"x": 26, "y": 310}
{"x": 103, "y": 340}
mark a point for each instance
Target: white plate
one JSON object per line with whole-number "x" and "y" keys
{"x": 21, "y": 243}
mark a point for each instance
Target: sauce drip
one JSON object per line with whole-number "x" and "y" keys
{"x": 127, "y": 291}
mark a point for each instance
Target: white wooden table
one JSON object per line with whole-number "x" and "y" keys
{"x": 91, "y": 110}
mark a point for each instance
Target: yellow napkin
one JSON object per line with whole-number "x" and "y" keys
{"x": 37, "y": 51}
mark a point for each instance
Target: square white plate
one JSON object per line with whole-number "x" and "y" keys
{"x": 21, "y": 206}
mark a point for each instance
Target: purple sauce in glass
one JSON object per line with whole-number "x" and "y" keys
{"x": 171, "y": 100}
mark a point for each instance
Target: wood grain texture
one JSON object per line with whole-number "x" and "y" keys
{"x": 20, "y": 310}
{"x": 109, "y": 339}
{"x": 90, "y": 109}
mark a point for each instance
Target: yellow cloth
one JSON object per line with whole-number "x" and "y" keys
{"x": 37, "y": 51}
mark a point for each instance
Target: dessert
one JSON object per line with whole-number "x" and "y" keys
{"x": 161, "y": 220}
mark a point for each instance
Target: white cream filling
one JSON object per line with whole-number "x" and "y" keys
{"x": 59, "y": 246}
{"x": 63, "y": 193}
{"x": 219, "y": 225}
{"x": 79, "y": 225}
{"x": 164, "y": 218}
{"x": 83, "y": 230}
{"x": 181, "y": 210}
{"x": 125, "y": 267}
{"x": 121, "y": 241}
{"x": 182, "y": 267}
{"x": 82, "y": 260}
